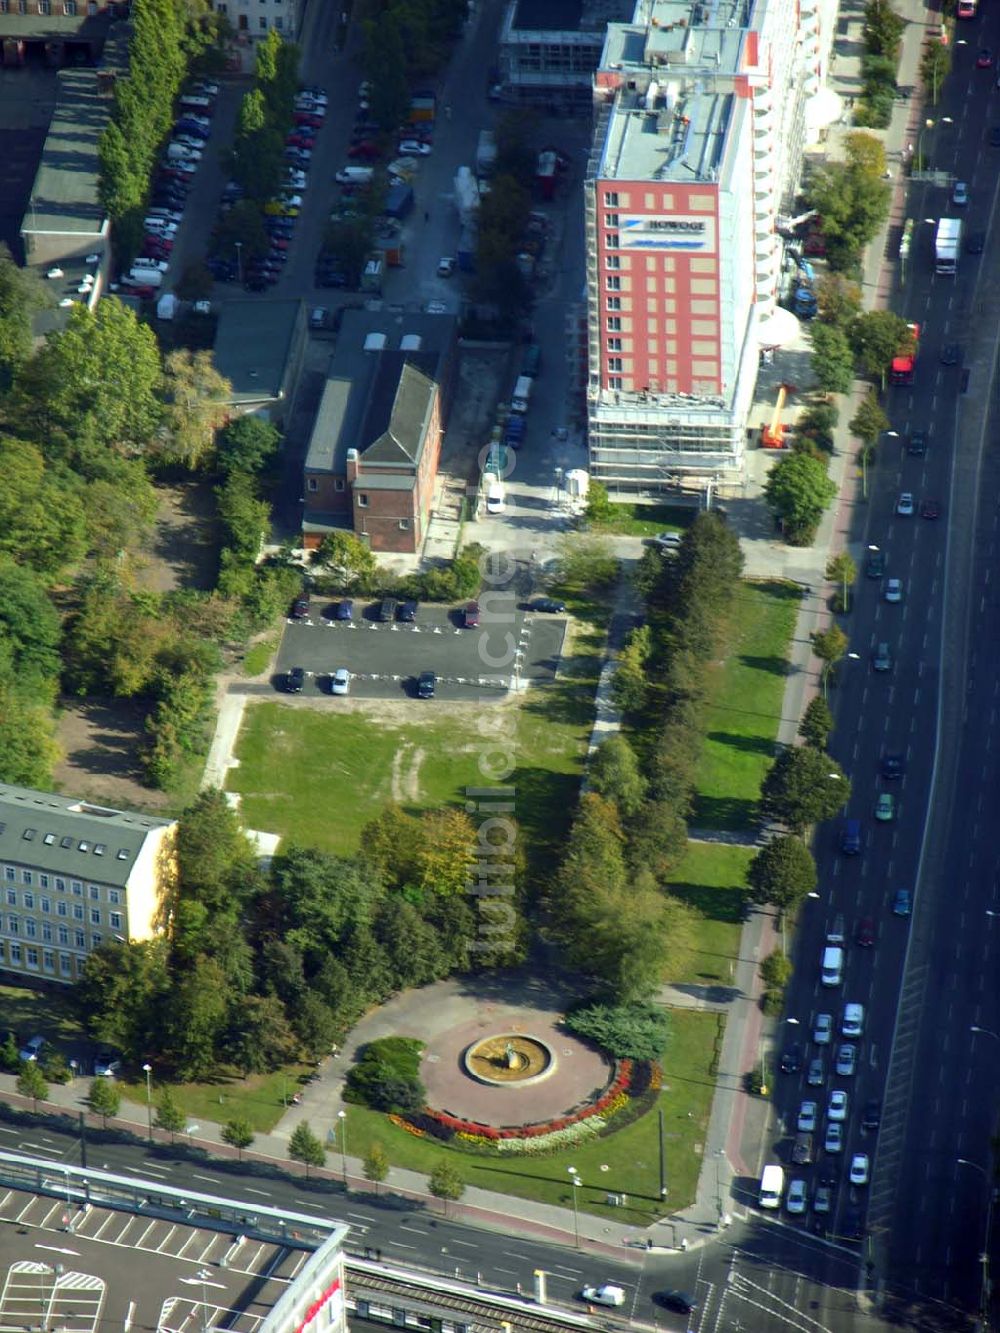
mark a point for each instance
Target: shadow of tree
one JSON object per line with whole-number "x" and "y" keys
{"x": 732, "y": 813}
{"x": 748, "y": 744}
{"x": 776, "y": 666}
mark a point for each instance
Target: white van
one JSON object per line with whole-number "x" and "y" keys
{"x": 833, "y": 966}
{"x": 354, "y": 176}
{"x": 521, "y": 396}
{"x": 772, "y": 1186}
{"x": 143, "y": 277}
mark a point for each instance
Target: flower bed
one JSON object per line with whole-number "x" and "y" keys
{"x": 627, "y": 1096}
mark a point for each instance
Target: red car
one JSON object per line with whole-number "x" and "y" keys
{"x": 143, "y": 292}
{"x": 303, "y": 137}
{"x": 866, "y": 932}
{"x": 307, "y": 118}
{"x": 471, "y": 615}
{"x": 930, "y": 509}
{"x": 365, "y": 150}
{"x": 279, "y": 242}
{"x": 985, "y": 58}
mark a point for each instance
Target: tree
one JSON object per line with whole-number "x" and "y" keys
{"x": 446, "y": 851}
{"x": 869, "y": 421}
{"x": 853, "y": 205}
{"x": 196, "y": 403}
{"x": 599, "y": 508}
{"x": 238, "y": 1133}
{"x": 385, "y": 63}
{"x": 832, "y": 358}
{"x": 803, "y": 786}
{"x": 877, "y": 337}
{"x": 839, "y": 300}
{"x": 260, "y": 1038}
{"x": 21, "y": 294}
{"x": 935, "y": 65}
{"x": 882, "y": 33}
{"x": 866, "y": 152}
{"x": 169, "y": 1116}
{"x": 247, "y": 444}
{"x": 445, "y": 1182}
{"x": 347, "y": 554}
{"x": 783, "y": 873}
{"x": 196, "y": 1009}
{"x": 10, "y": 1059}
{"x": 614, "y": 774}
{"x": 43, "y": 524}
{"x": 376, "y": 1164}
{"x": 215, "y": 858}
{"x": 817, "y": 424}
{"x": 840, "y": 568}
{"x": 31, "y": 1082}
{"x": 627, "y": 1031}
{"x": 798, "y": 490}
{"x": 830, "y": 644}
{"x": 119, "y": 995}
{"x": 629, "y": 684}
{"x": 305, "y": 1147}
{"x": 817, "y": 723}
{"x": 105, "y": 1098}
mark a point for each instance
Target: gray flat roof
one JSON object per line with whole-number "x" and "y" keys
{"x": 253, "y": 346}
{"x": 65, "y": 836}
{"x": 64, "y": 196}
{"x": 682, "y": 142}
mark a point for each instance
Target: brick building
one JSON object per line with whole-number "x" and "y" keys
{"x": 75, "y": 875}
{"x": 55, "y": 32}
{"x": 376, "y": 442}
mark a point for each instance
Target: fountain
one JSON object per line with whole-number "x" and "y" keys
{"x": 509, "y": 1059}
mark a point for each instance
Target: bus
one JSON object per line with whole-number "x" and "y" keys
{"x": 966, "y": 9}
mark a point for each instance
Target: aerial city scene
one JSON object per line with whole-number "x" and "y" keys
{"x": 499, "y": 715}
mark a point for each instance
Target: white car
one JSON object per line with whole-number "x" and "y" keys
{"x": 859, "y": 1169}
{"x": 607, "y": 1294}
{"x": 107, "y": 1065}
{"x": 823, "y": 1030}
{"x": 340, "y": 681}
{"x": 195, "y": 147}
{"x": 853, "y": 1022}
{"x": 847, "y": 1059}
{"x": 893, "y": 590}
{"x": 167, "y": 214}
{"x": 291, "y": 200}
{"x": 823, "y": 1200}
{"x": 446, "y": 267}
{"x": 154, "y": 265}
{"x": 904, "y": 505}
{"x": 806, "y": 1123}
{"x": 413, "y": 148}
{"x": 834, "y": 1141}
{"x": 436, "y": 308}
{"x": 160, "y": 227}
{"x": 837, "y": 1108}
{"x": 795, "y": 1199}
{"x": 960, "y": 194}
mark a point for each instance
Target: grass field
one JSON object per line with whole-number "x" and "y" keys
{"x": 630, "y": 1156}
{"x": 711, "y": 880}
{"x": 745, "y": 702}
{"x": 261, "y": 1099}
{"x": 642, "y": 520}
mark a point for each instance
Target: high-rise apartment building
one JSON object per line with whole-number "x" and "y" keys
{"x": 701, "y": 118}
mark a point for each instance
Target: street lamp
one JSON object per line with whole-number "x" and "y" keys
{"x": 342, "y": 1117}
{"x": 987, "y": 1032}
{"x": 147, "y": 1069}
{"x": 239, "y": 261}
{"x": 576, "y": 1182}
{"x": 984, "y": 1254}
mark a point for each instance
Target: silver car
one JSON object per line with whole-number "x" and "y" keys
{"x": 847, "y": 1059}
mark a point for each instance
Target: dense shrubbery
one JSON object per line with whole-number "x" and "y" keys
{"x": 386, "y": 1076}
{"x": 636, "y": 1031}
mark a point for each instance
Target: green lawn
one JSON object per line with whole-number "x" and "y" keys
{"x": 745, "y": 699}
{"x": 644, "y": 520}
{"x": 261, "y": 1099}
{"x": 317, "y": 778}
{"x": 631, "y": 1156}
{"x": 258, "y": 658}
{"x": 711, "y": 880}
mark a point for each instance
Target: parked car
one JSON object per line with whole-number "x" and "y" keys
{"x": 548, "y": 605}
{"x": 426, "y": 685}
{"x": 806, "y": 1122}
{"x": 414, "y": 148}
{"x": 816, "y": 1074}
{"x": 345, "y": 609}
{"x": 300, "y": 608}
{"x": 446, "y": 267}
{"x": 470, "y": 616}
{"x": 32, "y": 1048}
{"x": 107, "y": 1064}
{"x": 847, "y": 1059}
{"x": 606, "y": 1294}
{"x": 294, "y": 680}
{"x": 340, "y": 681}
{"x": 823, "y": 1029}
{"x": 834, "y": 1140}
{"x": 837, "y": 1107}
{"x": 791, "y": 1059}
{"x": 795, "y": 1199}
{"x": 859, "y": 1169}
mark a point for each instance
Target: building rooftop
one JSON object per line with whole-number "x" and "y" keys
{"x": 254, "y": 344}
{"x": 667, "y": 134}
{"x": 64, "y": 195}
{"x": 356, "y": 405}
{"x": 400, "y": 402}
{"x": 55, "y": 27}
{"x": 64, "y": 836}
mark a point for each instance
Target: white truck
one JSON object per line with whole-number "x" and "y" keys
{"x": 947, "y": 244}
{"x": 486, "y": 153}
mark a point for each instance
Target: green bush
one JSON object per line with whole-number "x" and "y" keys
{"x": 627, "y": 1031}
{"x": 387, "y": 1076}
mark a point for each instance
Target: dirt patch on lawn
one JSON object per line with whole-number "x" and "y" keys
{"x": 102, "y": 740}
{"x": 183, "y": 547}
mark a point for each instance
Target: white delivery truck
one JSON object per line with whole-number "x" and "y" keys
{"x": 772, "y": 1186}
{"x": 947, "y": 244}
{"x": 521, "y": 396}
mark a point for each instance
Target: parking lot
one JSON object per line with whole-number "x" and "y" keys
{"x": 510, "y": 646}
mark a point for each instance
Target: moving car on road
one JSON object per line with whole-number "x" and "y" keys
{"x": 606, "y": 1294}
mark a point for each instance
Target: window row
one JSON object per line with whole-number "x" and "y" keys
{"x": 28, "y": 956}
{"x": 56, "y": 882}
{"x": 17, "y": 925}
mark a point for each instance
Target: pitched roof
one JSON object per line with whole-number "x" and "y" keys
{"x": 401, "y": 400}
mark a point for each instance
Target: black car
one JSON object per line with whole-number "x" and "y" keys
{"x": 872, "y": 1116}
{"x": 950, "y": 354}
{"x": 892, "y": 765}
{"x": 294, "y": 680}
{"x": 791, "y": 1059}
{"x": 300, "y": 608}
{"x": 680, "y": 1301}
{"x": 385, "y": 610}
{"x": 916, "y": 445}
{"x": 975, "y": 242}
{"x": 407, "y": 612}
{"x": 549, "y": 605}
{"x": 995, "y": 137}
{"x": 345, "y": 610}
{"x": 875, "y": 568}
{"x": 854, "y": 1224}
{"x": 426, "y": 685}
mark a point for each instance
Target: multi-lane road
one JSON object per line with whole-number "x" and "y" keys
{"x": 928, "y": 980}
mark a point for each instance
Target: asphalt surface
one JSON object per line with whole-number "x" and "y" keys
{"x": 386, "y": 658}
{"x": 925, "y": 980}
